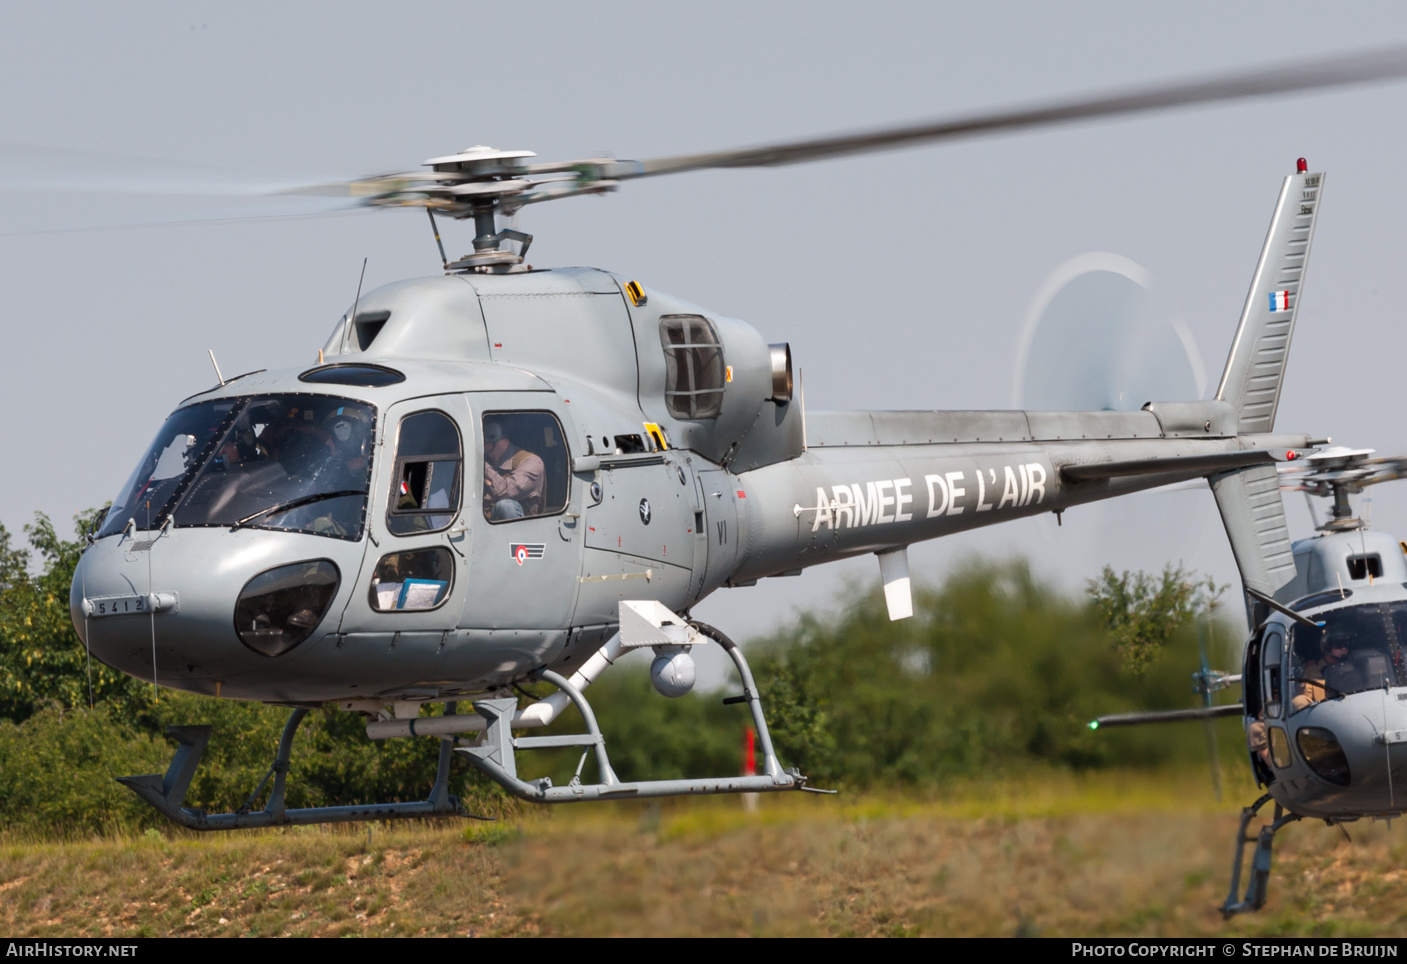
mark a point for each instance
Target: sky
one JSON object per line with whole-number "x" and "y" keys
{"x": 902, "y": 281}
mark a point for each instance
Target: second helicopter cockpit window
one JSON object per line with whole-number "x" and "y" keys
{"x": 1359, "y": 648}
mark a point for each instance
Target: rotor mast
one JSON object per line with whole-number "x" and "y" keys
{"x": 480, "y": 183}
{"x": 1338, "y": 473}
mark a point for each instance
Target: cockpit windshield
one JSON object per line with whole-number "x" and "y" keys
{"x": 292, "y": 462}
{"x": 1358, "y": 648}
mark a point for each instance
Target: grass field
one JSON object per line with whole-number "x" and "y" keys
{"x": 1047, "y": 855}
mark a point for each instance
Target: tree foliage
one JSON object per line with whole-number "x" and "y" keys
{"x": 1142, "y": 611}
{"x": 42, "y": 660}
{"x": 993, "y": 671}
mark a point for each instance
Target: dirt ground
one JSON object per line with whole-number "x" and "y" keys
{"x": 1110, "y": 857}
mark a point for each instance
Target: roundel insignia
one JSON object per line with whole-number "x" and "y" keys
{"x": 523, "y": 551}
{"x": 645, "y": 511}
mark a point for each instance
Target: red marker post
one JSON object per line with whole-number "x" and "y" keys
{"x": 749, "y": 767}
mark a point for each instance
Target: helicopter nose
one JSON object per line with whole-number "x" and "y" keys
{"x": 192, "y": 606}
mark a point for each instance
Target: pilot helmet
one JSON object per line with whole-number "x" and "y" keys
{"x": 349, "y": 428}
{"x": 1336, "y": 638}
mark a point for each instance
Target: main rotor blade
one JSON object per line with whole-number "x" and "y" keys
{"x": 28, "y": 167}
{"x": 98, "y": 190}
{"x": 1166, "y": 716}
{"x": 1358, "y": 68}
{"x": 1344, "y": 470}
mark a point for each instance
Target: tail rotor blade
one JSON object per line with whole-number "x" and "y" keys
{"x": 1204, "y": 630}
{"x": 1213, "y": 759}
{"x": 1096, "y": 337}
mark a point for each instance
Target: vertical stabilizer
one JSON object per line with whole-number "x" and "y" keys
{"x": 1255, "y": 369}
{"x": 1254, "y": 516}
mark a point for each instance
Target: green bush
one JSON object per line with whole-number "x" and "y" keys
{"x": 993, "y": 670}
{"x": 42, "y": 660}
{"x": 58, "y": 770}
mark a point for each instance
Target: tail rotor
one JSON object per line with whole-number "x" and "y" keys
{"x": 1205, "y": 681}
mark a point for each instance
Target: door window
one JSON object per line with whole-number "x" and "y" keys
{"x": 1271, "y": 656}
{"x": 425, "y": 486}
{"x": 525, "y": 466}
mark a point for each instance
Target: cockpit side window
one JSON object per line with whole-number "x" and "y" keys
{"x": 1272, "y": 654}
{"x": 526, "y": 462}
{"x": 1250, "y": 678}
{"x": 426, "y": 482}
{"x": 694, "y": 373}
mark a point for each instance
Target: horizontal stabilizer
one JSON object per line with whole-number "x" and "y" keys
{"x": 1202, "y": 464}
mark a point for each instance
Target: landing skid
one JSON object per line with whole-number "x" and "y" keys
{"x": 494, "y": 753}
{"x": 1260, "y": 863}
{"x": 167, "y": 793}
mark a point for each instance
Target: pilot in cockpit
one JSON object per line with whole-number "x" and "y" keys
{"x": 298, "y": 443}
{"x": 1335, "y": 645}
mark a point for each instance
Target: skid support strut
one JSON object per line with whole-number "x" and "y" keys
{"x": 167, "y": 793}
{"x": 495, "y": 753}
{"x": 1257, "y": 886}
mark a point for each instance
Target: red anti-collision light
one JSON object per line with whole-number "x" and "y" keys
{"x": 1291, "y": 455}
{"x": 1301, "y": 165}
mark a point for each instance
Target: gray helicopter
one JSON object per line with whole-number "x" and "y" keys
{"x": 439, "y": 509}
{"x": 1323, "y": 680}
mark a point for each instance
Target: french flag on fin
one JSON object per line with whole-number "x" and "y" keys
{"x": 1279, "y": 301}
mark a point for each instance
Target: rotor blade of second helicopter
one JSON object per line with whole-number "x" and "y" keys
{"x": 1167, "y": 716}
{"x": 1357, "y": 68}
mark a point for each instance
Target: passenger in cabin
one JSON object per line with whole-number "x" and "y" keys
{"x": 1258, "y": 739}
{"x": 513, "y": 477}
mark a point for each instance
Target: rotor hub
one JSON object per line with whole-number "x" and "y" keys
{"x": 1337, "y": 473}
